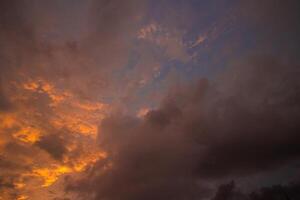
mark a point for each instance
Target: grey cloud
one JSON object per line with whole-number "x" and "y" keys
{"x": 54, "y": 145}
{"x": 245, "y": 123}
{"x": 5, "y": 104}
{"x": 72, "y": 45}
{"x": 232, "y": 192}
{"x": 76, "y": 45}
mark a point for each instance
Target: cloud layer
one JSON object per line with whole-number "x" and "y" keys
{"x": 242, "y": 124}
{"x": 143, "y": 99}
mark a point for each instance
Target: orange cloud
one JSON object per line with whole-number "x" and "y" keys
{"x": 28, "y": 134}
{"x": 28, "y": 122}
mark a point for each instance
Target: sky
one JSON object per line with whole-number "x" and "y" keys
{"x": 149, "y": 99}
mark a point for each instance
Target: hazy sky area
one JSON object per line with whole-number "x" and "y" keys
{"x": 149, "y": 100}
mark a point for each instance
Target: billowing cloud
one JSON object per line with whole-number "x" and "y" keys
{"x": 54, "y": 145}
{"x": 80, "y": 83}
{"x": 242, "y": 124}
{"x": 230, "y": 191}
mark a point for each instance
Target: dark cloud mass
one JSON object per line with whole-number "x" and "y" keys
{"x": 149, "y": 100}
{"x": 242, "y": 124}
{"x": 230, "y": 191}
{"x": 53, "y": 144}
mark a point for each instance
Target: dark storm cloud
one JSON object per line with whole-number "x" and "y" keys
{"x": 228, "y": 191}
{"x": 285, "y": 192}
{"x": 54, "y": 145}
{"x": 244, "y": 123}
{"x": 254, "y": 118}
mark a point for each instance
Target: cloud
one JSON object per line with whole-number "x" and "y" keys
{"x": 169, "y": 41}
{"x": 231, "y": 192}
{"x": 56, "y": 58}
{"x": 270, "y": 13}
{"x": 54, "y": 145}
{"x": 5, "y": 105}
{"x": 62, "y": 63}
{"x": 78, "y": 53}
{"x": 199, "y": 41}
{"x": 242, "y": 124}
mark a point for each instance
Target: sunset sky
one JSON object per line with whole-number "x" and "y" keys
{"x": 149, "y": 100}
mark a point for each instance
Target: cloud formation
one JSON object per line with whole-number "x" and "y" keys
{"x": 56, "y": 69}
{"x": 242, "y": 124}
{"x": 74, "y": 75}
{"x": 54, "y": 145}
{"x": 230, "y": 191}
